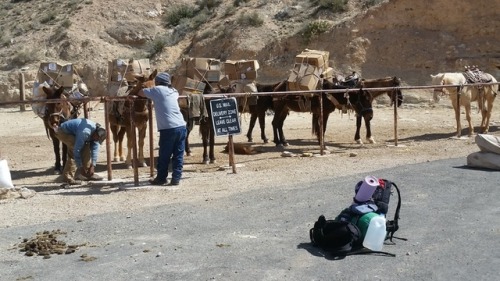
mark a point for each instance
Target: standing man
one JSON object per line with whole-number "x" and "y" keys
{"x": 171, "y": 126}
{"x": 82, "y": 137}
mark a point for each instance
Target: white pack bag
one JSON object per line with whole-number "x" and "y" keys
{"x": 5, "y": 179}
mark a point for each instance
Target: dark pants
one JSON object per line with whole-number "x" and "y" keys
{"x": 172, "y": 143}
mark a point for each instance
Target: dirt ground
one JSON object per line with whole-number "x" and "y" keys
{"x": 425, "y": 132}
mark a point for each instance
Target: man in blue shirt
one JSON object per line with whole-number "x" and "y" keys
{"x": 82, "y": 137}
{"x": 171, "y": 126}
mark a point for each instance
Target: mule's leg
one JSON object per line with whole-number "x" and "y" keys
{"x": 456, "y": 110}
{"x": 253, "y": 119}
{"x": 57, "y": 153}
{"x": 486, "y": 108}
{"x": 280, "y": 114}
{"x": 262, "y": 125}
{"x": 369, "y": 137}
{"x": 490, "y": 101}
{"x": 189, "y": 127}
{"x": 357, "y": 137}
{"x": 142, "y": 137}
{"x": 121, "y": 137}
{"x": 130, "y": 144}
{"x": 469, "y": 120}
{"x": 115, "y": 142}
{"x": 64, "y": 156}
{"x": 211, "y": 151}
{"x": 205, "y": 135}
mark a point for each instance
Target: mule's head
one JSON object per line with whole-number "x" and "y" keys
{"x": 397, "y": 98}
{"x": 143, "y": 82}
{"x": 56, "y": 112}
{"x": 362, "y": 101}
{"x": 437, "y": 79}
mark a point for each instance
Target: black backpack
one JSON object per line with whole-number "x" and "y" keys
{"x": 341, "y": 237}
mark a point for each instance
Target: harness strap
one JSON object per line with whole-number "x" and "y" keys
{"x": 393, "y": 226}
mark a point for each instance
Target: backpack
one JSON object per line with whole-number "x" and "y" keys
{"x": 342, "y": 236}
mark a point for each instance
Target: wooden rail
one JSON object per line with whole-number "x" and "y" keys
{"x": 106, "y": 99}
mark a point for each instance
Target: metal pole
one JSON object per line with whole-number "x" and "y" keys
{"x": 108, "y": 141}
{"x": 321, "y": 139}
{"x": 22, "y": 95}
{"x": 457, "y": 112}
{"x": 151, "y": 141}
{"x": 394, "y": 98}
{"x": 134, "y": 143}
{"x": 231, "y": 153}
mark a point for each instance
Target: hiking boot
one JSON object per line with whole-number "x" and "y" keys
{"x": 73, "y": 182}
{"x": 81, "y": 177}
{"x": 157, "y": 181}
{"x": 95, "y": 177}
{"x": 173, "y": 183}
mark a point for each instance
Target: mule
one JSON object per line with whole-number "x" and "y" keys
{"x": 358, "y": 101}
{"x": 257, "y": 105}
{"x": 56, "y": 113}
{"x": 259, "y": 110}
{"x": 483, "y": 95}
{"x": 120, "y": 122}
{"x": 396, "y": 96}
{"x": 192, "y": 103}
{"x": 363, "y": 99}
{"x": 282, "y": 106}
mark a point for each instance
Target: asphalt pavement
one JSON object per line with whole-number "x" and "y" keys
{"x": 450, "y": 215}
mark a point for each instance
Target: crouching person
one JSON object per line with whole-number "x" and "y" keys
{"x": 83, "y": 138}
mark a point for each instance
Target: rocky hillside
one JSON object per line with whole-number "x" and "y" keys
{"x": 405, "y": 38}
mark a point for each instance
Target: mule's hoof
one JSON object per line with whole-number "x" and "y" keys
{"x": 188, "y": 154}
{"x": 129, "y": 166}
{"x": 250, "y": 140}
{"x": 115, "y": 159}
{"x": 205, "y": 162}
{"x": 212, "y": 161}
{"x": 359, "y": 141}
{"x": 285, "y": 144}
{"x": 122, "y": 158}
{"x": 143, "y": 164}
{"x": 57, "y": 172}
{"x": 370, "y": 140}
{"x": 266, "y": 140}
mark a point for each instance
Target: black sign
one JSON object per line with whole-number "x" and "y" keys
{"x": 225, "y": 116}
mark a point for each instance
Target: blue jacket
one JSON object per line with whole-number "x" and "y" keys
{"x": 165, "y": 101}
{"x": 82, "y": 129}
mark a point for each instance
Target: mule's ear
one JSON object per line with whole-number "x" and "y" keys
{"x": 59, "y": 92}
{"x": 153, "y": 74}
{"x": 48, "y": 91}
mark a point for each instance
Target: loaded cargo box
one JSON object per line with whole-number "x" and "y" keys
{"x": 182, "y": 83}
{"x": 315, "y": 57}
{"x": 242, "y": 69}
{"x": 203, "y": 69}
{"x": 56, "y": 73}
{"x": 304, "y": 77}
{"x": 119, "y": 69}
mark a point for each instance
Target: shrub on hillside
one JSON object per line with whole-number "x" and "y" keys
{"x": 174, "y": 16}
{"x": 252, "y": 19}
{"x": 315, "y": 28}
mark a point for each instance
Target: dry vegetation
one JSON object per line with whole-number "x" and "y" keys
{"x": 377, "y": 38}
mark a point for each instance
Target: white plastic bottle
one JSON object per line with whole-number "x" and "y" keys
{"x": 376, "y": 233}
